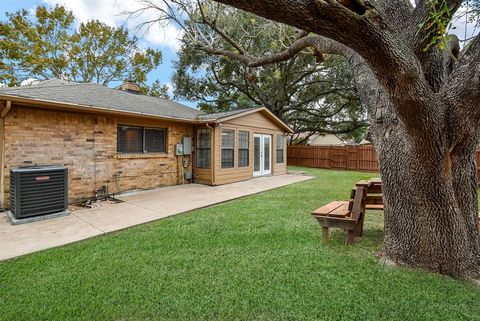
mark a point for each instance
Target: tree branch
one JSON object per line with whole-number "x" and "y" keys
{"x": 462, "y": 87}
{"x": 322, "y": 44}
{"x": 369, "y": 34}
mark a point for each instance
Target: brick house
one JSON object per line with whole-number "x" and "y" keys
{"x": 126, "y": 141}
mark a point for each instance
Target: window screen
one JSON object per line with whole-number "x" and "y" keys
{"x": 137, "y": 140}
{"x": 243, "y": 148}
{"x": 228, "y": 148}
{"x": 155, "y": 140}
{"x": 280, "y": 149}
{"x": 203, "y": 148}
{"x": 129, "y": 139}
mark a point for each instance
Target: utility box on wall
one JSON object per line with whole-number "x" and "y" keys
{"x": 187, "y": 145}
{"x": 178, "y": 149}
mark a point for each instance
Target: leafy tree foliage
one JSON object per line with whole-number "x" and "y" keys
{"x": 156, "y": 89}
{"x": 47, "y": 45}
{"x": 312, "y": 92}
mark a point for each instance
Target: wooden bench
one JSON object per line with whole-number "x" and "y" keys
{"x": 374, "y": 200}
{"x": 347, "y": 215}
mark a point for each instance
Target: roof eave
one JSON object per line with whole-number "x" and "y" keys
{"x": 87, "y": 108}
{"x": 106, "y": 110}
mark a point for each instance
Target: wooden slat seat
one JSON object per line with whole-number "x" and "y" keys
{"x": 333, "y": 209}
{"x": 341, "y": 211}
{"x": 374, "y": 207}
{"x": 363, "y": 183}
{"x": 347, "y": 215}
{"x": 324, "y": 210}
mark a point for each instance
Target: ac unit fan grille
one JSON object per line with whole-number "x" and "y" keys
{"x": 38, "y": 191}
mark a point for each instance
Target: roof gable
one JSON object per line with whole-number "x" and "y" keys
{"x": 232, "y": 115}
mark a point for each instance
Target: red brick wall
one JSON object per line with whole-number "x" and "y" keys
{"x": 87, "y": 144}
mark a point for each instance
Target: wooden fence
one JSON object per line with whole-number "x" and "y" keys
{"x": 349, "y": 157}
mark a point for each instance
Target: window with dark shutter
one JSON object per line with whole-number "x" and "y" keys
{"x": 203, "y": 148}
{"x": 138, "y": 140}
{"x": 243, "y": 148}
{"x": 228, "y": 148}
{"x": 280, "y": 149}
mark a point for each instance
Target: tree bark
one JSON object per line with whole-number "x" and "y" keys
{"x": 423, "y": 109}
{"x": 430, "y": 192}
{"x": 430, "y": 207}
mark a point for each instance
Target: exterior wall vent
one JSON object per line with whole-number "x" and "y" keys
{"x": 38, "y": 190}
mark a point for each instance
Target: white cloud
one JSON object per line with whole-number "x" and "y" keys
{"x": 461, "y": 26}
{"x": 29, "y": 82}
{"x": 112, "y": 12}
{"x": 170, "y": 88}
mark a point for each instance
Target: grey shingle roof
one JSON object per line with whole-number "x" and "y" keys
{"x": 93, "y": 95}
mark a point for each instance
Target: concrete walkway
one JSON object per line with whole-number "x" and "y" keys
{"x": 137, "y": 208}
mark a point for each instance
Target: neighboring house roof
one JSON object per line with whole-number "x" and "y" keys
{"x": 96, "y": 97}
{"x": 325, "y": 139}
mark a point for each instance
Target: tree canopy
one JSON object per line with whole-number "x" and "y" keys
{"x": 310, "y": 91}
{"x": 47, "y": 45}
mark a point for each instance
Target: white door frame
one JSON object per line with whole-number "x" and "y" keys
{"x": 262, "y": 170}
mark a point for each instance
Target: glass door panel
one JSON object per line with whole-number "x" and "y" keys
{"x": 267, "y": 147}
{"x": 257, "y": 155}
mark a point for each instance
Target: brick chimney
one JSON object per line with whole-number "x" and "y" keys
{"x": 130, "y": 86}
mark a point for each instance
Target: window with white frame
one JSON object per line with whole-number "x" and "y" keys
{"x": 280, "y": 149}
{"x": 228, "y": 148}
{"x": 243, "y": 148}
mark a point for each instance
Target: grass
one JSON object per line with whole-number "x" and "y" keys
{"x": 256, "y": 258}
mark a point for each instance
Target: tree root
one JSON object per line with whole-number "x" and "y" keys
{"x": 473, "y": 278}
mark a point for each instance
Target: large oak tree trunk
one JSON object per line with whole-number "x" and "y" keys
{"x": 422, "y": 103}
{"x": 430, "y": 208}
{"x": 430, "y": 189}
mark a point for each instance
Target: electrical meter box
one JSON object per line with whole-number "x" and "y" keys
{"x": 187, "y": 145}
{"x": 178, "y": 149}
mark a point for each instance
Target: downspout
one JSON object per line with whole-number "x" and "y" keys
{"x": 4, "y": 113}
{"x": 212, "y": 160}
{"x": 7, "y": 108}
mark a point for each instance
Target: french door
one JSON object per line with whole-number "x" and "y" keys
{"x": 262, "y": 154}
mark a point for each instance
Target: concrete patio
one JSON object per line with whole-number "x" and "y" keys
{"x": 137, "y": 208}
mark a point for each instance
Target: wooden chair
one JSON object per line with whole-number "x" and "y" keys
{"x": 374, "y": 200}
{"x": 347, "y": 215}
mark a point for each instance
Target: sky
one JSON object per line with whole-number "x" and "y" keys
{"x": 110, "y": 12}
{"x": 164, "y": 38}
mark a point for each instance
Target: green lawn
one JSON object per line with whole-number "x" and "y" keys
{"x": 256, "y": 258}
